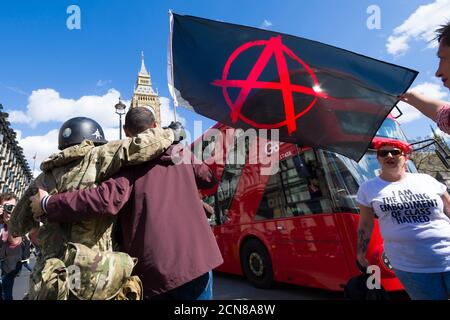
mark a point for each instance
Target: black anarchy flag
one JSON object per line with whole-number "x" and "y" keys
{"x": 317, "y": 95}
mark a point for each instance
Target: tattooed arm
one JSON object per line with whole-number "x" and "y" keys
{"x": 366, "y": 218}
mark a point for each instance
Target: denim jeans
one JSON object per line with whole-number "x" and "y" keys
{"x": 197, "y": 289}
{"x": 207, "y": 294}
{"x": 425, "y": 286}
{"x": 7, "y": 285}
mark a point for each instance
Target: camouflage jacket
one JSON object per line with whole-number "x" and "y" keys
{"x": 79, "y": 167}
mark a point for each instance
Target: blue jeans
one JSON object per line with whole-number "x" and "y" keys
{"x": 197, "y": 289}
{"x": 7, "y": 285}
{"x": 207, "y": 294}
{"x": 425, "y": 286}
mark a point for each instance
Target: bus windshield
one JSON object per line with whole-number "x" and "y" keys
{"x": 391, "y": 129}
{"x": 344, "y": 176}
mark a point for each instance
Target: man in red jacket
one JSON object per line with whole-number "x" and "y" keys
{"x": 161, "y": 218}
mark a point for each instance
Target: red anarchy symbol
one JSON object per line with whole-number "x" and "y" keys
{"x": 273, "y": 46}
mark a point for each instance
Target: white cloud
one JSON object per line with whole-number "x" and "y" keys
{"x": 41, "y": 146}
{"x": 420, "y": 25}
{"x": 266, "y": 24}
{"x": 46, "y": 105}
{"x": 18, "y": 117}
{"x": 167, "y": 113}
{"x": 101, "y": 83}
{"x": 432, "y": 90}
{"x": 409, "y": 113}
{"x": 113, "y": 133}
{"x": 45, "y": 145}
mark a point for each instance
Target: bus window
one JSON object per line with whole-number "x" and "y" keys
{"x": 305, "y": 193}
{"x": 297, "y": 189}
{"x": 211, "y": 209}
{"x": 272, "y": 202}
{"x": 344, "y": 177}
{"x": 226, "y": 191}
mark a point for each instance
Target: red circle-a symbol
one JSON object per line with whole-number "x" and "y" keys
{"x": 275, "y": 47}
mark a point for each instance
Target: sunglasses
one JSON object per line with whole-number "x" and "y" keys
{"x": 8, "y": 207}
{"x": 393, "y": 152}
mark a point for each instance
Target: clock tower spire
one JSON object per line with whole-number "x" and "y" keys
{"x": 144, "y": 95}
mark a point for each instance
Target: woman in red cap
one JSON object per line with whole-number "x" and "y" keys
{"x": 413, "y": 211}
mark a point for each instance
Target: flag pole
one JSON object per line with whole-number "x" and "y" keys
{"x": 170, "y": 66}
{"x": 34, "y": 164}
{"x": 174, "y": 111}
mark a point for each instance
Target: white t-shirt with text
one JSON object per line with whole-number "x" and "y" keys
{"x": 415, "y": 230}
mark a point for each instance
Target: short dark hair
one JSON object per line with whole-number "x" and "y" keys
{"x": 7, "y": 196}
{"x": 139, "y": 119}
{"x": 443, "y": 34}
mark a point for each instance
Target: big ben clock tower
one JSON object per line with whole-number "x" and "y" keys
{"x": 143, "y": 95}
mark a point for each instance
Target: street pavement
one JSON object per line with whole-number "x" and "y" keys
{"x": 21, "y": 282}
{"x": 232, "y": 287}
{"x": 226, "y": 287}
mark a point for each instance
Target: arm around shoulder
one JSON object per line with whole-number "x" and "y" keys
{"x": 145, "y": 146}
{"x": 106, "y": 199}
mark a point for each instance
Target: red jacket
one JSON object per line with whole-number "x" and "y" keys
{"x": 161, "y": 217}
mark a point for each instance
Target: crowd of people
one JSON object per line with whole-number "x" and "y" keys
{"x": 115, "y": 201}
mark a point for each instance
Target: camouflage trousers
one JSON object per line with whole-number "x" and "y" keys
{"x": 85, "y": 274}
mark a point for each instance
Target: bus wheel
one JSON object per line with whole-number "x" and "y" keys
{"x": 257, "y": 264}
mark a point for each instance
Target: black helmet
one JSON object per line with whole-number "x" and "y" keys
{"x": 77, "y": 129}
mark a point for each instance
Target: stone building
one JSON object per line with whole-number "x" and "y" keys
{"x": 144, "y": 95}
{"x": 15, "y": 174}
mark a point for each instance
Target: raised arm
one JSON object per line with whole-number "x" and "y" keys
{"x": 428, "y": 106}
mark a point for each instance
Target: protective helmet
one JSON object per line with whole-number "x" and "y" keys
{"x": 75, "y": 130}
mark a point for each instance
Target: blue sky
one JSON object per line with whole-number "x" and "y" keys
{"x": 49, "y": 73}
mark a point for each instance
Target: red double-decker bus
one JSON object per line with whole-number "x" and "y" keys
{"x": 299, "y": 224}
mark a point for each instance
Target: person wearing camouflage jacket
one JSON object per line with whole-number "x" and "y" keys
{"x": 79, "y": 166}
